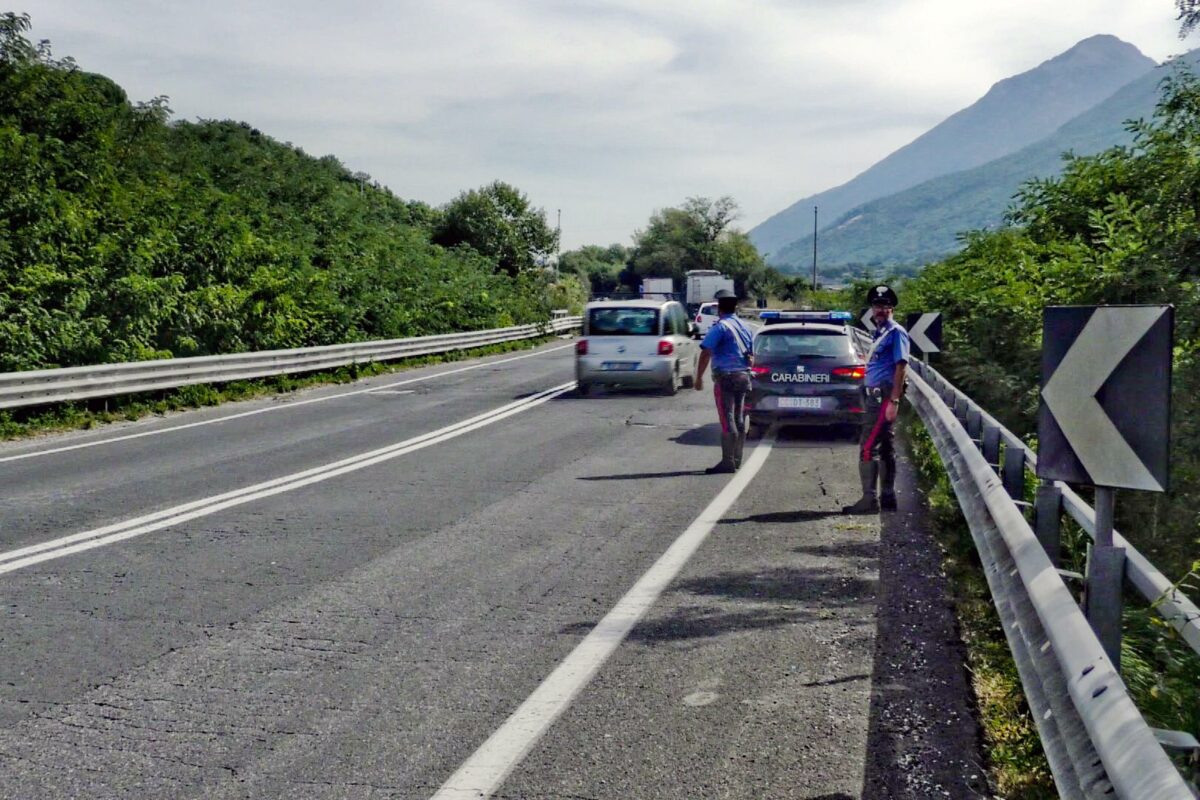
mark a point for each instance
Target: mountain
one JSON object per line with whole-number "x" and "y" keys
{"x": 922, "y": 223}
{"x": 1015, "y": 112}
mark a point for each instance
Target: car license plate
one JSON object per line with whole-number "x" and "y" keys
{"x": 621, "y": 365}
{"x": 799, "y": 402}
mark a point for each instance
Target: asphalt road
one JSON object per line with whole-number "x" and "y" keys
{"x": 339, "y": 594}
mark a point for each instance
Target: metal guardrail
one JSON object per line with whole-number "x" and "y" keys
{"x": 1095, "y": 739}
{"x": 39, "y": 387}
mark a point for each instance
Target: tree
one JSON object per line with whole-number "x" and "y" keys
{"x": 698, "y": 236}
{"x": 1189, "y": 16}
{"x": 498, "y": 222}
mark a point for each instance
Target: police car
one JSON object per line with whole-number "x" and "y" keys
{"x": 807, "y": 369}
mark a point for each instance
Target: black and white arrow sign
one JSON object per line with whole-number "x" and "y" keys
{"x": 1105, "y": 408}
{"x": 867, "y": 319}
{"x": 925, "y": 331}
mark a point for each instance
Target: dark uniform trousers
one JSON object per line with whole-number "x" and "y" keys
{"x": 876, "y": 441}
{"x": 729, "y": 391}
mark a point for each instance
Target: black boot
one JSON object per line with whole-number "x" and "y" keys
{"x": 739, "y": 444}
{"x": 867, "y": 504}
{"x": 728, "y": 442}
{"x": 887, "y": 485}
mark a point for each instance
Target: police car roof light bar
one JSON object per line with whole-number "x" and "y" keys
{"x": 807, "y": 316}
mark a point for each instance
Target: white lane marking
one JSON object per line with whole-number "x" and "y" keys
{"x": 483, "y": 773}
{"x": 282, "y": 407}
{"x": 392, "y": 391}
{"x": 127, "y": 529}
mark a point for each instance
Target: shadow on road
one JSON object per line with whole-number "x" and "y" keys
{"x": 705, "y": 435}
{"x": 922, "y": 738}
{"x": 782, "y": 516}
{"x": 841, "y": 550}
{"x": 636, "y": 476}
{"x": 816, "y": 589}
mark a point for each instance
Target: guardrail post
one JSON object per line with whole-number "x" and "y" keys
{"x": 962, "y": 406}
{"x": 1105, "y": 579}
{"x": 991, "y": 445}
{"x": 1048, "y": 520}
{"x": 974, "y": 423}
{"x": 1013, "y": 474}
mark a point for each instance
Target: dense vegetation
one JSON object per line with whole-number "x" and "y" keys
{"x": 699, "y": 234}
{"x": 1118, "y": 227}
{"x": 123, "y": 237}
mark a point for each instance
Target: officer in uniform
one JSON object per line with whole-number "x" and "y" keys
{"x": 727, "y": 345}
{"x": 887, "y": 363}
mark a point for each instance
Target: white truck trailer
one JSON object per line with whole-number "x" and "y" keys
{"x": 658, "y": 288}
{"x": 702, "y": 284}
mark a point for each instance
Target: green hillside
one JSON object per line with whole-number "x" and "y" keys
{"x": 923, "y": 223}
{"x": 125, "y": 237}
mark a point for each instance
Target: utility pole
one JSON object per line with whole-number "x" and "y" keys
{"x": 557, "y": 242}
{"x": 815, "y": 249}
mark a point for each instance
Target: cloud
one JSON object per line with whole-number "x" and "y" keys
{"x": 608, "y": 109}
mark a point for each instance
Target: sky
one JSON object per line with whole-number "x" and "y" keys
{"x": 603, "y": 110}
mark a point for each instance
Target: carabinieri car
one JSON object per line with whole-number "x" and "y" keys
{"x": 807, "y": 369}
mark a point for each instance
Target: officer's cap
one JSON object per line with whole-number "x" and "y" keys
{"x": 724, "y": 294}
{"x": 882, "y": 296}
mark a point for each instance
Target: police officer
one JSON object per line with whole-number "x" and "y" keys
{"x": 887, "y": 362}
{"x": 727, "y": 345}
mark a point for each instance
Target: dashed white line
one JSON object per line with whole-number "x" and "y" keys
{"x": 282, "y": 407}
{"x": 127, "y": 529}
{"x": 483, "y": 773}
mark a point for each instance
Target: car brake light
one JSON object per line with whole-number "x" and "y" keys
{"x": 698, "y": 320}
{"x": 857, "y": 372}
{"x": 665, "y": 348}
{"x": 581, "y": 347}
{"x": 759, "y": 370}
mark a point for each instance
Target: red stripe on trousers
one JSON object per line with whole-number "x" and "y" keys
{"x": 870, "y": 442}
{"x": 720, "y": 406}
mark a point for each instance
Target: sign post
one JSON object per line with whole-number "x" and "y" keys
{"x": 1104, "y": 420}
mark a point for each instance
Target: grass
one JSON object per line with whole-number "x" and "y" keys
{"x": 82, "y": 415}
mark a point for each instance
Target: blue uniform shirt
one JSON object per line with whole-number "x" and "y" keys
{"x": 730, "y": 348}
{"x": 889, "y": 349}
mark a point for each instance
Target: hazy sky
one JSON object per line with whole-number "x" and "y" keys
{"x": 605, "y": 109}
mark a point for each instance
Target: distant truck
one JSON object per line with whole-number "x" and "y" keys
{"x": 658, "y": 288}
{"x": 701, "y": 285}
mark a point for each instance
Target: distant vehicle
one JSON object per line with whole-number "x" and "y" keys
{"x": 807, "y": 369}
{"x": 658, "y": 288}
{"x": 702, "y": 284}
{"x": 635, "y": 343}
{"x": 706, "y": 317}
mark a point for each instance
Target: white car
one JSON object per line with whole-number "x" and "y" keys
{"x": 636, "y": 343}
{"x": 706, "y": 317}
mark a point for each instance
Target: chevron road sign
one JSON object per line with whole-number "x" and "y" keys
{"x": 1105, "y": 410}
{"x": 867, "y": 321}
{"x": 925, "y": 331}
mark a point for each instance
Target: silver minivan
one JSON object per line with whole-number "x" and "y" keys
{"x": 636, "y": 343}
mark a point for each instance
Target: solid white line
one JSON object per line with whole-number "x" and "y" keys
{"x": 282, "y": 407}
{"x": 483, "y": 773}
{"x": 127, "y": 529}
{"x": 392, "y": 391}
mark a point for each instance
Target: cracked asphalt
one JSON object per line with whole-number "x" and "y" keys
{"x": 361, "y": 637}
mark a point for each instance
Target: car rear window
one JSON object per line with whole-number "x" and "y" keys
{"x": 623, "y": 322}
{"x": 708, "y": 311}
{"x": 817, "y": 344}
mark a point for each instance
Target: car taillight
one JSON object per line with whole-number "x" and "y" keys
{"x": 759, "y": 370}
{"x": 697, "y": 319}
{"x": 665, "y": 348}
{"x": 581, "y": 347}
{"x": 857, "y": 372}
